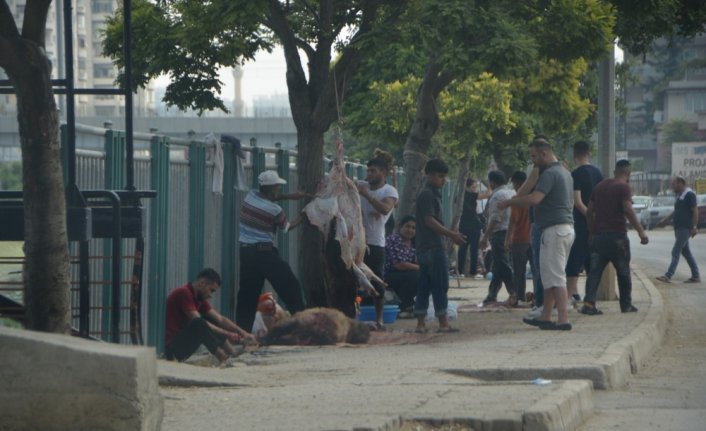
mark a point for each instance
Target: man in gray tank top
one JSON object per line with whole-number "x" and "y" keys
{"x": 553, "y": 200}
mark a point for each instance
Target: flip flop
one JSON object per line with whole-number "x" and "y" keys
{"x": 421, "y": 330}
{"x": 448, "y": 329}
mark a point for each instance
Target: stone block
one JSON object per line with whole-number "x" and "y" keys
{"x": 56, "y": 382}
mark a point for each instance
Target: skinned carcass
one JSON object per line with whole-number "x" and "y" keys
{"x": 336, "y": 212}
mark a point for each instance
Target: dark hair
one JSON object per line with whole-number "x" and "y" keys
{"x": 406, "y": 219}
{"x": 541, "y": 142}
{"x": 518, "y": 177}
{"x": 436, "y": 166}
{"x": 497, "y": 177}
{"x": 379, "y": 162}
{"x": 210, "y": 274}
{"x": 470, "y": 182}
{"x": 623, "y": 163}
{"x": 582, "y": 148}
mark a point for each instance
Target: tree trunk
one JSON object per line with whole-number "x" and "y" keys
{"x": 309, "y": 173}
{"x": 426, "y": 123}
{"x": 46, "y": 273}
{"x": 457, "y": 207}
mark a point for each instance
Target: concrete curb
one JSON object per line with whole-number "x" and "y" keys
{"x": 564, "y": 409}
{"x": 625, "y": 357}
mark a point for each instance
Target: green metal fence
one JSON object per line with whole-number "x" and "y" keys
{"x": 188, "y": 225}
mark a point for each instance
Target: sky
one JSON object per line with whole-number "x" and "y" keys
{"x": 263, "y": 77}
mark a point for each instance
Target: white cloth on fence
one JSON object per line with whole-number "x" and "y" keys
{"x": 217, "y": 183}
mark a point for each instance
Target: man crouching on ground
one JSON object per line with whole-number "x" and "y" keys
{"x": 192, "y": 322}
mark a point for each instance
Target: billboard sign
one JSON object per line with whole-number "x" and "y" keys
{"x": 689, "y": 159}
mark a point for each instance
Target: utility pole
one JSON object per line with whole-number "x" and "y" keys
{"x": 606, "y": 112}
{"x": 606, "y": 146}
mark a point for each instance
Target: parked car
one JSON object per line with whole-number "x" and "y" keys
{"x": 639, "y": 203}
{"x": 658, "y": 208}
{"x": 701, "y": 202}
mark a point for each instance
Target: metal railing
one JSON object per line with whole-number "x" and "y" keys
{"x": 188, "y": 226}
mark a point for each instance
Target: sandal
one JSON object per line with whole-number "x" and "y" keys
{"x": 421, "y": 330}
{"x": 447, "y": 329}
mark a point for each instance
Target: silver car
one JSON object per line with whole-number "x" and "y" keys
{"x": 639, "y": 203}
{"x": 658, "y": 208}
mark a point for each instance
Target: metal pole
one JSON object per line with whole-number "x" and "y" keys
{"x": 606, "y": 112}
{"x": 70, "y": 103}
{"x": 127, "y": 46}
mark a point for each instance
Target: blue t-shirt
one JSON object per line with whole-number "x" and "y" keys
{"x": 683, "y": 210}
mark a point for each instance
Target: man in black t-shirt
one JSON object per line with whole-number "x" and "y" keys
{"x": 470, "y": 226}
{"x": 685, "y": 218}
{"x": 585, "y": 177}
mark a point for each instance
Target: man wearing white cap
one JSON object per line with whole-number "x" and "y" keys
{"x": 260, "y": 217}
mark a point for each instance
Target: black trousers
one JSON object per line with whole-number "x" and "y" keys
{"x": 404, "y": 283}
{"x": 257, "y": 264}
{"x": 502, "y": 267}
{"x": 196, "y": 333}
{"x": 521, "y": 254}
{"x": 611, "y": 247}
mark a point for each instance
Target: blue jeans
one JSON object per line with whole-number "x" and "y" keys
{"x": 536, "y": 238}
{"x": 433, "y": 280}
{"x": 611, "y": 247}
{"x": 681, "y": 246}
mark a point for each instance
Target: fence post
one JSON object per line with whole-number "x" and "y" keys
{"x": 197, "y": 201}
{"x": 159, "y": 242}
{"x": 282, "y": 158}
{"x": 228, "y": 243}
{"x": 114, "y": 145}
{"x": 65, "y": 156}
{"x": 258, "y": 165}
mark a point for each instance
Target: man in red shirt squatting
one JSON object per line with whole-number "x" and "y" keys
{"x": 192, "y": 322}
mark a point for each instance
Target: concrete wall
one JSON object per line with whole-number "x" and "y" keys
{"x": 54, "y": 382}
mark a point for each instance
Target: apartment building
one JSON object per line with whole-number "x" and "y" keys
{"x": 91, "y": 69}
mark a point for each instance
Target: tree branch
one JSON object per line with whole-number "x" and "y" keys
{"x": 303, "y": 45}
{"x": 309, "y": 7}
{"x": 8, "y": 34}
{"x": 35, "y": 21}
{"x": 8, "y": 28}
{"x": 296, "y": 79}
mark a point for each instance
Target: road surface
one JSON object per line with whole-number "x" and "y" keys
{"x": 669, "y": 393}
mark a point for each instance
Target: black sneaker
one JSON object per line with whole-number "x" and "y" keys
{"x": 630, "y": 309}
{"x": 590, "y": 311}
{"x": 541, "y": 324}
{"x": 557, "y": 327}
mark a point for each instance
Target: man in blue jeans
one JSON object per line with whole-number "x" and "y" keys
{"x": 431, "y": 250}
{"x": 686, "y": 219}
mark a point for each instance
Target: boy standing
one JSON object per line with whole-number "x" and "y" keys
{"x": 431, "y": 252}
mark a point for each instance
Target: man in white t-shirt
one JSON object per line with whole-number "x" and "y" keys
{"x": 377, "y": 200}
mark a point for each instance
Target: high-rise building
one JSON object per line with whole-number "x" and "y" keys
{"x": 91, "y": 68}
{"x": 668, "y": 85}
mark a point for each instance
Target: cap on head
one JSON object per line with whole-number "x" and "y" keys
{"x": 270, "y": 178}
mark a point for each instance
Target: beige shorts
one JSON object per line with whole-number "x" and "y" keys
{"x": 553, "y": 254}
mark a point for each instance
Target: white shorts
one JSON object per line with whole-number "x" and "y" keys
{"x": 553, "y": 254}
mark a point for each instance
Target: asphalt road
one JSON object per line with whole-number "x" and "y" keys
{"x": 669, "y": 392}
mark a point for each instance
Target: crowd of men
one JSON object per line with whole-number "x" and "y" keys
{"x": 560, "y": 222}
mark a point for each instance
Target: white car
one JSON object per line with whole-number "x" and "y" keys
{"x": 639, "y": 203}
{"x": 658, "y": 208}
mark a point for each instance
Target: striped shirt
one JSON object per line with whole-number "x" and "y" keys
{"x": 260, "y": 218}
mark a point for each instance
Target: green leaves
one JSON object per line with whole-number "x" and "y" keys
{"x": 188, "y": 40}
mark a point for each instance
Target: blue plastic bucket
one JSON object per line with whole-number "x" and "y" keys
{"x": 389, "y": 313}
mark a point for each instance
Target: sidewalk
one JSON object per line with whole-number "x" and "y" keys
{"x": 478, "y": 379}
